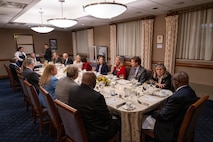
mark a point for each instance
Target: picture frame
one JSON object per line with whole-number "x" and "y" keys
{"x": 160, "y": 39}
{"x": 53, "y": 44}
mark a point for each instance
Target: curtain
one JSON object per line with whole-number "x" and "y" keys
{"x": 129, "y": 38}
{"x": 195, "y": 35}
{"x": 147, "y": 39}
{"x": 171, "y": 42}
{"x": 113, "y": 52}
{"x": 82, "y": 42}
{"x": 74, "y": 44}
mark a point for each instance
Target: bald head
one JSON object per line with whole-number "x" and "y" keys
{"x": 89, "y": 78}
{"x": 180, "y": 79}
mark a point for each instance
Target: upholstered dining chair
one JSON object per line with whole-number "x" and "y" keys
{"x": 24, "y": 91}
{"x": 187, "y": 129}
{"x": 53, "y": 114}
{"x": 36, "y": 106}
{"x": 73, "y": 124}
{"x": 13, "y": 83}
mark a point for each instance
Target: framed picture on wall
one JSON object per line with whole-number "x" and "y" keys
{"x": 53, "y": 44}
{"x": 159, "y": 38}
{"x": 102, "y": 51}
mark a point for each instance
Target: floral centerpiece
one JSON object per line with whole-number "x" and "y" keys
{"x": 103, "y": 79}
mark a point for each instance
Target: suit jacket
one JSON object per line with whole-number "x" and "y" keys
{"x": 63, "y": 87}
{"x": 141, "y": 75}
{"x": 69, "y": 61}
{"x": 58, "y": 60}
{"x": 31, "y": 77}
{"x": 13, "y": 67}
{"x": 104, "y": 69}
{"x": 50, "y": 88}
{"x": 93, "y": 110}
{"x": 48, "y": 54}
{"x": 169, "y": 118}
{"x": 165, "y": 80}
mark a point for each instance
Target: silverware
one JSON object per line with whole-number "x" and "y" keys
{"x": 119, "y": 105}
{"x": 142, "y": 103}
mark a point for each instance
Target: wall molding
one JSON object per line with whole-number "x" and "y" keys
{"x": 194, "y": 63}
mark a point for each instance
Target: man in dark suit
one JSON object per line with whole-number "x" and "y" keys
{"x": 100, "y": 126}
{"x": 66, "y": 59}
{"x": 169, "y": 118}
{"x": 13, "y": 67}
{"x": 137, "y": 71}
{"x": 48, "y": 53}
{"x": 30, "y": 75}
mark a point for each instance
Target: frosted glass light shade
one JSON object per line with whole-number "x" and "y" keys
{"x": 105, "y": 10}
{"x": 42, "y": 29}
{"x": 62, "y": 22}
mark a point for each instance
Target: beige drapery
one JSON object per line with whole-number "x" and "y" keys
{"x": 195, "y": 35}
{"x": 147, "y": 39}
{"x": 113, "y": 50}
{"x": 74, "y": 44}
{"x": 129, "y": 38}
{"x": 171, "y": 42}
{"x": 82, "y": 40}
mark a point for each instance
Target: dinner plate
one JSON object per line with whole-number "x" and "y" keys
{"x": 129, "y": 108}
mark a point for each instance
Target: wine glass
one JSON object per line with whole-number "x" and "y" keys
{"x": 121, "y": 76}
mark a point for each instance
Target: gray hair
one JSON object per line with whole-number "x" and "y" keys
{"x": 72, "y": 71}
{"x": 29, "y": 61}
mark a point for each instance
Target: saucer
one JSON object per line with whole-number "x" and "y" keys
{"x": 129, "y": 108}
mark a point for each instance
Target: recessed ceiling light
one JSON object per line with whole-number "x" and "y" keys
{"x": 155, "y": 8}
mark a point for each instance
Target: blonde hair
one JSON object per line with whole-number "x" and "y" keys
{"x": 121, "y": 62}
{"x": 45, "y": 78}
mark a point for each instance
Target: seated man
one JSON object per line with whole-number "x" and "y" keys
{"x": 167, "y": 121}
{"x": 66, "y": 59}
{"x": 66, "y": 84}
{"x": 100, "y": 126}
{"x": 30, "y": 75}
{"x": 137, "y": 71}
{"x": 13, "y": 67}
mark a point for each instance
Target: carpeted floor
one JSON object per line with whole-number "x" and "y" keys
{"x": 16, "y": 124}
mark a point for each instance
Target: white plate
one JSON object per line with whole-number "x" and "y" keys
{"x": 162, "y": 93}
{"x": 130, "y": 108}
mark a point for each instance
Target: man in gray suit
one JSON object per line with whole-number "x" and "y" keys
{"x": 66, "y": 84}
{"x": 137, "y": 71}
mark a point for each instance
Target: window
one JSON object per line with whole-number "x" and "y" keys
{"x": 82, "y": 42}
{"x": 195, "y": 35}
{"x": 26, "y": 41}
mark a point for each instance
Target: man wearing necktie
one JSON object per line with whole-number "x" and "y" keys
{"x": 67, "y": 60}
{"x": 137, "y": 71}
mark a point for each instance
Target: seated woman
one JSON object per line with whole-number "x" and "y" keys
{"x": 102, "y": 67}
{"x": 78, "y": 62}
{"x": 49, "y": 82}
{"x": 119, "y": 69}
{"x": 86, "y": 65}
{"x": 161, "y": 78}
{"x": 56, "y": 58}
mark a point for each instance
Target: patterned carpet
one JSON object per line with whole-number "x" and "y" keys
{"x": 16, "y": 124}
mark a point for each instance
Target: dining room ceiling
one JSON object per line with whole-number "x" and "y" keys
{"x": 25, "y": 13}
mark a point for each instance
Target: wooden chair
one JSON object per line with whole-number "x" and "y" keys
{"x": 187, "y": 129}
{"x": 73, "y": 124}
{"x": 36, "y": 106}
{"x": 53, "y": 114}
{"x": 13, "y": 83}
{"x": 24, "y": 91}
{"x": 149, "y": 73}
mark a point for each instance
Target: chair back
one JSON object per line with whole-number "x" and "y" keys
{"x": 10, "y": 75}
{"x": 187, "y": 129}
{"x": 21, "y": 80}
{"x": 33, "y": 97}
{"x": 73, "y": 124}
{"x": 51, "y": 108}
{"x": 149, "y": 73}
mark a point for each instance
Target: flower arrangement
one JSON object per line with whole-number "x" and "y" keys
{"x": 103, "y": 79}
